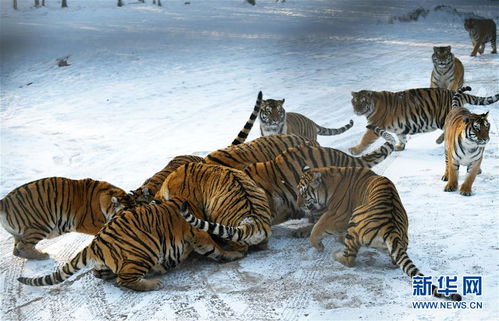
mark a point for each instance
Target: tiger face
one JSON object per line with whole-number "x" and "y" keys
{"x": 469, "y": 24}
{"x": 272, "y": 114}
{"x": 309, "y": 192}
{"x": 362, "y": 102}
{"x": 442, "y": 56}
{"x": 478, "y": 128}
{"x": 114, "y": 200}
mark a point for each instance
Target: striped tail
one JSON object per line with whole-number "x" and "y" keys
{"x": 243, "y": 134}
{"x": 242, "y": 233}
{"x": 377, "y": 156}
{"x": 63, "y": 273}
{"x": 322, "y": 131}
{"x": 475, "y": 100}
{"x": 458, "y": 96}
{"x": 402, "y": 260}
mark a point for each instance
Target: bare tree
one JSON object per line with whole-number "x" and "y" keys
{"x": 14, "y": 4}
{"x": 120, "y": 3}
{"x": 37, "y": 3}
{"x": 159, "y": 2}
{"x": 64, "y": 3}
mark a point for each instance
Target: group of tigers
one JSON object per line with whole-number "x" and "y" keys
{"x": 224, "y": 204}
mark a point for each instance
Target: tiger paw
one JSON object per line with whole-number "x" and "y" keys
{"x": 354, "y": 151}
{"x": 346, "y": 261}
{"x": 465, "y": 191}
{"x": 31, "y": 255}
{"x": 445, "y": 178}
{"x": 399, "y": 147}
{"x": 318, "y": 245}
{"x": 450, "y": 187}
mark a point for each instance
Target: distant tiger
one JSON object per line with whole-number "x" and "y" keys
{"x": 147, "y": 191}
{"x": 481, "y": 31}
{"x": 275, "y": 120}
{"x": 259, "y": 150}
{"x": 226, "y": 196}
{"x": 52, "y": 206}
{"x": 466, "y": 135}
{"x": 363, "y": 209}
{"x": 151, "y": 238}
{"x": 278, "y": 177}
{"x": 406, "y": 112}
{"x": 448, "y": 71}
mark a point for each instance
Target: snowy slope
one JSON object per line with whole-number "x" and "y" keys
{"x": 146, "y": 83}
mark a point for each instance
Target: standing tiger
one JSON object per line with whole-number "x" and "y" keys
{"x": 363, "y": 208}
{"x": 261, "y": 149}
{"x": 148, "y": 190}
{"x": 448, "y": 71}
{"x": 481, "y": 31}
{"x": 52, "y": 206}
{"x": 278, "y": 177}
{"x": 151, "y": 238}
{"x": 466, "y": 135}
{"x": 226, "y": 196}
{"x": 275, "y": 120}
{"x": 406, "y": 112}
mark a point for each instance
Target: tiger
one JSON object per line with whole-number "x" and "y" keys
{"x": 146, "y": 193}
{"x": 448, "y": 71}
{"x": 363, "y": 209}
{"x": 278, "y": 177}
{"x": 275, "y": 120}
{"x": 258, "y": 150}
{"x": 406, "y": 112}
{"x": 466, "y": 135}
{"x": 147, "y": 239}
{"x": 481, "y": 31}
{"x": 52, "y": 206}
{"x": 226, "y": 196}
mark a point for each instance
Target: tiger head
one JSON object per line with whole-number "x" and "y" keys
{"x": 141, "y": 195}
{"x": 477, "y": 128}
{"x": 469, "y": 23}
{"x": 311, "y": 193}
{"x": 442, "y": 56}
{"x": 112, "y": 200}
{"x": 362, "y": 102}
{"x": 272, "y": 114}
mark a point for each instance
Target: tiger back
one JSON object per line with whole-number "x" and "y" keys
{"x": 157, "y": 238}
{"x": 52, "y": 206}
{"x": 481, "y": 31}
{"x": 226, "y": 196}
{"x": 148, "y": 190}
{"x": 275, "y": 120}
{"x": 406, "y": 112}
{"x": 278, "y": 177}
{"x": 466, "y": 135}
{"x": 259, "y": 150}
{"x": 361, "y": 207}
{"x": 448, "y": 71}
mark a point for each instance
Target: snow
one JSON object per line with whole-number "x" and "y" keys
{"x": 147, "y": 83}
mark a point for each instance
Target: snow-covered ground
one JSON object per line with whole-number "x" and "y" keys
{"x": 146, "y": 83}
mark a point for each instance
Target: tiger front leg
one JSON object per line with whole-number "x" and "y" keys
{"x": 366, "y": 140}
{"x": 327, "y": 224}
{"x": 348, "y": 255}
{"x": 465, "y": 189}
{"x": 204, "y": 245}
{"x": 452, "y": 171}
{"x": 476, "y": 47}
{"x": 131, "y": 276}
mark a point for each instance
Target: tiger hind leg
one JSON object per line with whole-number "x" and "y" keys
{"x": 348, "y": 255}
{"x": 25, "y": 246}
{"x": 204, "y": 245}
{"x": 131, "y": 276}
{"x": 103, "y": 272}
{"x": 494, "y": 46}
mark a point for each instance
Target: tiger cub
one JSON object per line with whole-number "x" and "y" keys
{"x": 406, "y": 112}
{"x": 363, "y": 208}
{"x": 226, "y": 196}
{"x": 448, "y": 71}
{"x": 148, "y": 190}
{"x": 52, "y": 206}
{"x": 157, "y": 238}
{"x": 278, "y": 177}
{"x": 481, "y": 31}
{"x": 466, "y": 135}
{"x": 275, "y": 120}
{"x": 259, "y": 150}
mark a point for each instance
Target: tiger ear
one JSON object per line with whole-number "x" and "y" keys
{"x": 283, "y": 100}
{"x": 305, "y": 169}
{"x": 466, "y": 119}
{"x": 434, "y": 49}
{"x": 114, "y": 200}
{"x": 485, "y": 115}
